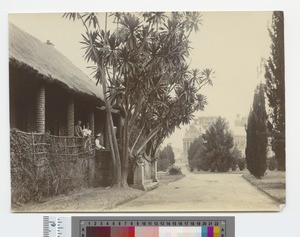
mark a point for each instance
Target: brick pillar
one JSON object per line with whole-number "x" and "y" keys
{"x": 70, "y": 116}
{"x": 40, "y": 109}
{"x": 92, "y": 121}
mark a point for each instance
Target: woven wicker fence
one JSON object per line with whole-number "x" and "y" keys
{"x": 44, "y": 165}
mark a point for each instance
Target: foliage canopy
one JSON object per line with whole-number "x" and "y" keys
{"x": 142, "y": 66}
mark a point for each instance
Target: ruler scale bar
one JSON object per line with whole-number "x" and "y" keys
{"x": 45, "y": 226}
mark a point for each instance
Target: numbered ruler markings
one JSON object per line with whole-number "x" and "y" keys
{"x": 85, "y": 223}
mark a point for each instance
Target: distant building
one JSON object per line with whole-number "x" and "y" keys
{"x": 239, "y": 133}
{"x": 270, "y": 152}
{"x": 240, "y": 121}
{"x": 204, "y": 122}
{"x": 190, "y": 135}
{"x": 201, "y": 124}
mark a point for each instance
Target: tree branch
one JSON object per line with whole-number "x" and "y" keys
{"x": 137, "y": 139}
{"x": 150, "y": 136}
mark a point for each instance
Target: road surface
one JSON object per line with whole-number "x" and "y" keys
{"x": 203, "y": 192}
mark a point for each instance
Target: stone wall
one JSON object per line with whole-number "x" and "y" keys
{"x": 103, "y": 168}
{"x": 148, "y": 168}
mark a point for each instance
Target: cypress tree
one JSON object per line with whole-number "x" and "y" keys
{"x": 275, "y": 92}
{"x": 257, "y": 138}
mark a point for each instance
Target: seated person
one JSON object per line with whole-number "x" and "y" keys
{"x": 98, "y": 142}
{"x": 86, "y": 131}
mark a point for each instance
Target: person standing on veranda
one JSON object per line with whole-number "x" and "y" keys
{"x": 87, "y": 133}
{"x": 78, "y": 129}
{"x": 98, "y": 142}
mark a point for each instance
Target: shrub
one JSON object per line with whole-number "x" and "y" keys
{"x": 272, "y": 163}
{"x": 233, "y": 164}
{"x": 174, "y": 170}
{"x": 241, "y": 164}
{"x": 166, "y": 158}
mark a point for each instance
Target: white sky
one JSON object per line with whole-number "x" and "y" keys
{"x": 231, "y": 43}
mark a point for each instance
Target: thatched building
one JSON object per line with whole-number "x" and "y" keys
{"x": 48, "y": 94}
{"x": 47, "y": 91}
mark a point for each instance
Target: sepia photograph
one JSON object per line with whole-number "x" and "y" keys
{"x": 147, "y": 111}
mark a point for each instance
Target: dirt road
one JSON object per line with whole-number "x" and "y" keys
{"x": 195, "y": 192}
{"x": 203, "y": 192}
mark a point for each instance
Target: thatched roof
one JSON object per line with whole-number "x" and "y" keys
{"x": 49, "y": 62}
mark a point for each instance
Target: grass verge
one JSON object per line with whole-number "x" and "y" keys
{"x": 92, "y": 200}
{"x": 273, "y": 184}
{"x": 165, "y": 178}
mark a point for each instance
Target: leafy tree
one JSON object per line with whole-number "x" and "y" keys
{"x": 274, "y": 74}
{"x": 257, "y": 138}
{"x": 218, "y": 142}
{"x": 236, "y": 153}
{"x": 195, "y": 153}
{"x": 140, "y": 64}
{"x": 236, "y": 156}
{"x": 166, "y": 158}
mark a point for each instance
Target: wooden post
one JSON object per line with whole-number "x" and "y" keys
{"x": 70, "y": 116}
{"x": 105, "y": 131}
{"x": 40, "y": 109}
{"x": 33, "y": 147}
{"x": 92, "y": 121}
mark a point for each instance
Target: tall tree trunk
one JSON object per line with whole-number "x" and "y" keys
{"x": 114, "y": 151}
{"x": 114, "y": 164}
{"x": 115, "y": 155}
{"x": 125, "y": 151}
{"x": 112, "y": 136}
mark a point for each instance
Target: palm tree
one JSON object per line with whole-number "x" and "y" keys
{"x": 142, "y": 66}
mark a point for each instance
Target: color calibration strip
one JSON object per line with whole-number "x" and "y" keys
{"x": 153, "y": 228}
{"x": 147, "y": 231}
